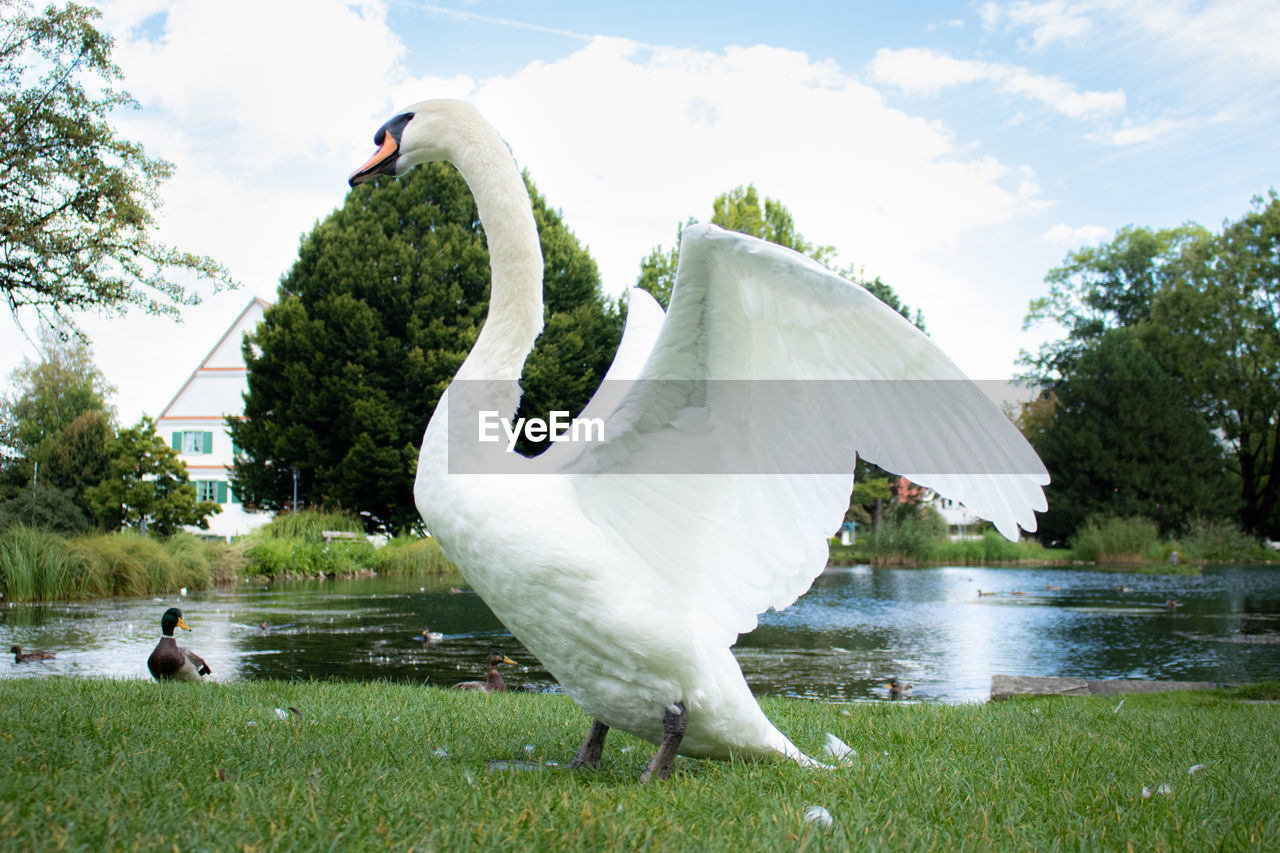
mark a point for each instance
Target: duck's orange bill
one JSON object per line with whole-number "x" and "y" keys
{"x": 182, "y": 625}
{"x": 506, "y": 659}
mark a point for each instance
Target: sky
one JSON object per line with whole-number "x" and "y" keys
{"x": 957, "y": 151}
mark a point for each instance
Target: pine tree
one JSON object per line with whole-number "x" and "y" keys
{"x": 380, "y": 309}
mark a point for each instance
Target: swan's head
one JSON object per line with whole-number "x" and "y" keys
{"x": 426, "y": 131}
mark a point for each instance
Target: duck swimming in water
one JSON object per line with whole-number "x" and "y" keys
{"x": 493, "y": 682}
{"x": 169, "y": 660}
{"x": 19, "y": 656}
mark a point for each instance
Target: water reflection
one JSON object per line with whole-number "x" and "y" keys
{"x": 853, "y": 631}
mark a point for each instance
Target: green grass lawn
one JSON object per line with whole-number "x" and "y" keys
{"x": 97, "y": 764}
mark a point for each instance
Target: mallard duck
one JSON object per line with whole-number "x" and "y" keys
{"x": 19, "y": 656}
{"x": 897, "y": 689}
{"x": 630, "y": 562}
{"x": 493, "y": 682}
{"x": 168, "y": 659}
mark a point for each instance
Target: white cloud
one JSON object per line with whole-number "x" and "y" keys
{"x": 1050, "y": 22}
{"x": 1229, "y": 34}
{"x": 264, "y": 84}
{"x": 264, "y": 122}
{"x": 923, "y": 71}
{"x": 1083, "y": 235}
{"x": 630, "y": 140}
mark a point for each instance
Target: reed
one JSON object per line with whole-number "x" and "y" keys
{"x": 413, "y": 556}
{"x": 38, "y": 565}
{"x": 308, "y": 525}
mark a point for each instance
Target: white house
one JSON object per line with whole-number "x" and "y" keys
{"x": 195, "y": 423}
{"x": 960, "y": 520}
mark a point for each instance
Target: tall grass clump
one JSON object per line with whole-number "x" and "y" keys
{"x": 308, "y": 525}
{"x": 277, "y": 558}
{"x": 140, "y": 565}
{"x": 991, "y": 549}
{"x": 1109, "y": 539}
{"x": 39, "y": 565}
{"x": 407, "y": 555}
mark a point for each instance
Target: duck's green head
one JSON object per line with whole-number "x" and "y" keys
{"x": 171, "y": 619}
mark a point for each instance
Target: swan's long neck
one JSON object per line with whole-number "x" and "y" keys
{"x": 515, "y": 257}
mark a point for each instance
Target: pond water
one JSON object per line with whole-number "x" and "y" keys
{"x": 855, "y": 628}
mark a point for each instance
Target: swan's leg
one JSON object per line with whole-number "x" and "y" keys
{"x": 589, "y": 753}
{"x": 673, "y": 723}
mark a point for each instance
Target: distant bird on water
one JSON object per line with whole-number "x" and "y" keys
{"x": 171, "y": 661}
{"x": 493, "y": 682}
{"x": 19, "y": 656}
{"x": 897, "y": 689}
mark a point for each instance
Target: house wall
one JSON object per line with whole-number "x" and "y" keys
{"x": 194, "y": 424}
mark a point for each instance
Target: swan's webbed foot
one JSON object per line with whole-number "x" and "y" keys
{"x": 589, "y": 753}
{"x": 673, "y": 723}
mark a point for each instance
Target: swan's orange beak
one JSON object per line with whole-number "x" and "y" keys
{"x": 383, "y": 162}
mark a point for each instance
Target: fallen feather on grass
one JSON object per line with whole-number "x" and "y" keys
{"x": 818, "y": 815}
{"x": 838, "y": 749}
{"x": 1196, "y": 768}
{"x": 1162, "y": 788}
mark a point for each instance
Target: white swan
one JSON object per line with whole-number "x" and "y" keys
{"x": 625, "y": 574}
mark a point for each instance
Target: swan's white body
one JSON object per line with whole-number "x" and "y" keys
{"x": 628, "y": 579}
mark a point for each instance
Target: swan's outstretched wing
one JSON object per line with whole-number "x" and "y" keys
{"x": 730, "y": 461}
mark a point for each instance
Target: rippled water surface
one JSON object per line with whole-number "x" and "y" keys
{"x": 842, "y": 640}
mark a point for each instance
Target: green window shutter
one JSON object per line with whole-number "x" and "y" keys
{"x": 206, "y": 442}
{"x": 222, "y": 491}
{"x": 177, "y": 441}
{"x": 231, "y": 493}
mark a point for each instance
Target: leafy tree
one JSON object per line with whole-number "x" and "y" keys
{"x": 1205, "y": 306}
{"x": 373, "y": 320}
{"x": 1223, "y": 323}
{"x": 46, "y": 398}
{"x": 146, "y": 480}
{"x": 77, "y": 202}
{"x": 77, "y": 458}
{"x": 1105, "y": 287}
{"x": 1124, "y": 440}
{"x": 740, "y": 210}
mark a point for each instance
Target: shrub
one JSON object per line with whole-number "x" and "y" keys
{"x": 43, "y": 507}
{"x": 1107, "y": 539}
{"x": 1221, "y": 542}
{"x": 908, "y": 534}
